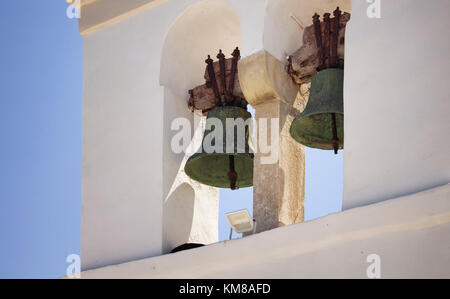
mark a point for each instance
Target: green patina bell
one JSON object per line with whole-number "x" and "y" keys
{"x": 321, "y": 124}
{"x": 232, "y": 168}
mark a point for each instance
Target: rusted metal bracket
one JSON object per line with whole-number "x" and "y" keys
{"x": 335, "y": 35}
{"x": 191, "y": 100}
{"x": 327, "y": 46}
{"x": 222, "y": 86}
{"x": 318, "y": 34}
{"x": 212, "y": 78}
{"x": 327, "y": 39}
{"x": 236, "y": 56}
{"x": 315, "y": 53}
{"x": 223, "y": 76}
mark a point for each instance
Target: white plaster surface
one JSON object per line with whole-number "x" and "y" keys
{"x": 122, "y": 145}
{"x": 410, "y": 234}
{"x": 201, "y": 30}
{"x": 396, "y": 100}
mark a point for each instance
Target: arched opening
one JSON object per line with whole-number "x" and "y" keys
{"x": 201, "y": 30}
{"x": 282, "y": 37}
{"x": 178, "y": 212}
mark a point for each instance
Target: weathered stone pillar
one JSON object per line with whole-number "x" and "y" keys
{"x": 278, "y": 184}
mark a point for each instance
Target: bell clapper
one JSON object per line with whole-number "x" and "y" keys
{"x": 335, "y": 140}
{"x": 232, "y": 174}
{"x": 227, "y": 98}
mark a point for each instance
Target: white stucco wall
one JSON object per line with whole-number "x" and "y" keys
{"x": 122, "y": 145}
{"x": 396, "y": 100}
{"x": 411, "y": 235}
{"x": 395, "y": 126}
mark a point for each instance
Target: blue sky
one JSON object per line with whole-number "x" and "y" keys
{"x": 40, "y": 129}
{"x": 323, "y": 190}
{"x": 40, "y": 153}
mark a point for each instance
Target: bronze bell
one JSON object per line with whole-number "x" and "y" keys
{"x": 231, "y": 166}
{"x": 321, "y": 124}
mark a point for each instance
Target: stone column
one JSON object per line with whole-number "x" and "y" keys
{"x": 278, "y": 186}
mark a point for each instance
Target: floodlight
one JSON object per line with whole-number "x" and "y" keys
{"x": 241, "y": 222}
